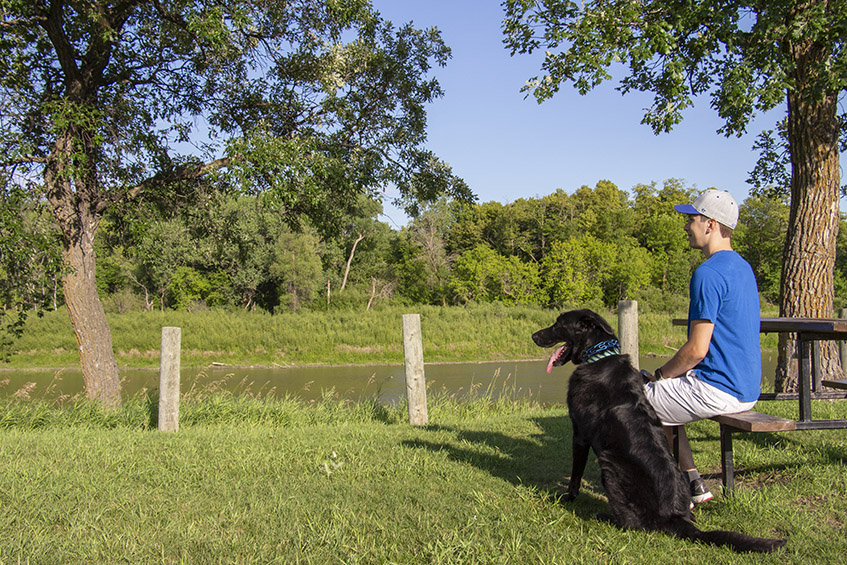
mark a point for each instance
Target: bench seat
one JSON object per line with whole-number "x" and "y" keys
{"x": 751, "y": 421}
{"x": 748, "y": 421}
{"x": 840, "y": 383}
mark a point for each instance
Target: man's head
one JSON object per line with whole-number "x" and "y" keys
{"x": 715, "y": 204}
{"x": 712, "y": 217}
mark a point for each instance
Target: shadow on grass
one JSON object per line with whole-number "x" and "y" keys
{"x": 541, "y": 461}
{"x": 757, "y": 474}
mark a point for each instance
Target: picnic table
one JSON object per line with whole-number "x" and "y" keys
{"x": 810, "y": 332}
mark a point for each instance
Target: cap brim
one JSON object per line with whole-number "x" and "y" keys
{"x": 686, "y": 209}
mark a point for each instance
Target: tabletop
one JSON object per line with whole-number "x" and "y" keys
{"x": 835, "y": 326}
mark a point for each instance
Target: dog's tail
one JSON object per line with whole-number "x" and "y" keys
{"x": 739, "y": 542}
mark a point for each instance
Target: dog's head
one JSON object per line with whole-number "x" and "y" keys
{"x": 576, "y": 330}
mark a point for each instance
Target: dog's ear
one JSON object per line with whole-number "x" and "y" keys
{"x": 589, "y": 320}
{"x": 602, "y": 323}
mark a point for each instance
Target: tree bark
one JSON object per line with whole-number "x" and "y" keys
{"x": 806, "y": 287}
{"x": 94, "y": 338}
{"x": 350, "y": 260}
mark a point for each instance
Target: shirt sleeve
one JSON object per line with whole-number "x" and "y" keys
{"x": 706, "y": 290}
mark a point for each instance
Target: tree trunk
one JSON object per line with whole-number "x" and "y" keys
{"x": 75, "y": 207}
{"x": 350, "y": 260}
{"x": 97, "y": 359}
{"x": 806, "y": 287}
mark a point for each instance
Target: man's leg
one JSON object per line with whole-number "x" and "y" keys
{"x": 684, "y": 456}
{"x": 699, "y": 492}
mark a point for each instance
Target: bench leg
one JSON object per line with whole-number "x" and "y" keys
{"x": 726, "y": 460}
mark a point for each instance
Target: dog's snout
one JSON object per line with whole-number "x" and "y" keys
{"x": 536, "y": 337}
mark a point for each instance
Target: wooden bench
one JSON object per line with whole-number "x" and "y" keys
{"x": 748, "y": 421}
{"x": 840, "y": 383}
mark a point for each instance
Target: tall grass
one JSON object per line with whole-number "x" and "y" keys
{"x": 475, "y": 333}
{"x": 220, "y": 403}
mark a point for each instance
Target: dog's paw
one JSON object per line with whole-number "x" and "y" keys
{"x": 571, "y": 495}
{"x": 605, "y": 517}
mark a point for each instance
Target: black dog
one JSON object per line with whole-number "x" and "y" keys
{"x": 612, "y": 416}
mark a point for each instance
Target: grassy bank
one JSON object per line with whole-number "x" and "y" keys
{"x": 476, "y": 333}
{"x": 249, "y": 480}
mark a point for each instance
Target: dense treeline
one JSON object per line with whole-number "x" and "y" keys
{"x": 595, "y": 246}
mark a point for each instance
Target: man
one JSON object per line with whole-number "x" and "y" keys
{"x": 719, "y": 368}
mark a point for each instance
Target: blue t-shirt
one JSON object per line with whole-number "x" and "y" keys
{"x": 723, "y": 290}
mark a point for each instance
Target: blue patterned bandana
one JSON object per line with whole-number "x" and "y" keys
{"x": 600, "y": 351}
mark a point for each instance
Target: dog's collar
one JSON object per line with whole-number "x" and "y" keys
{"x": 600, "y": 351}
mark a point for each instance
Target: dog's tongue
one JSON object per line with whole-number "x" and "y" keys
{"x": 553, "y": 358}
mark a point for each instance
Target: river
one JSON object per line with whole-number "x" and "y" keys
{"x": 385, "y": 382}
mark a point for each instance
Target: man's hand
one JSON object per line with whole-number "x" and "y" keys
{"x": 648, "y": 378}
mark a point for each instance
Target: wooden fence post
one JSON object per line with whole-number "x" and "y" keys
{"x": 415, "y": 379}
{"x": 628, "y": 330}
{"x": 169, "y": 379}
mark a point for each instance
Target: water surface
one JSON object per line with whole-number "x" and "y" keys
{"x": 386, "y": 382}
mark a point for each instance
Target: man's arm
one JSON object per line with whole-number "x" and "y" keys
{"x": 692, "y": 352}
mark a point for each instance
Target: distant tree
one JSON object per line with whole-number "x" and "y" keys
{"x": 483, "y": 275}
{"x": 314, "y": 101}
{"x": 30, "y": 264}
{"x": 528, "y": 237}
{"x": 162, "y": 246}
{"x": 557, "y": 223}
{"x": 360, "y": 227}
{"x": 238, "y": 236}
{"x": 409, "y": 271}
{"x": 573, "y": 272}
{"x": 296, "y": 268}
{"x": 190, "y": 288}
{"x": 760, "y": 237}
{"x": 475, "y": 225}
{"x": 659, "y": 229}
{"x": 749, "y": 57}
{"x": 603, "y": 211}
{"x": 426, "y": 256}
{"x": 841, "y": 267}
{"x": 628, "y": 271}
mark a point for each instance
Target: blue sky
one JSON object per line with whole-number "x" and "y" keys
{"x": 507, "y": 146}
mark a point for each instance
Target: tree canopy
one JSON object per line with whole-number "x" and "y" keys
{"x": 107, "y": 102}
{"x": 746, "y": 57}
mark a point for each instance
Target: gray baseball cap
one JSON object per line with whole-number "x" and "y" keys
{"x": 716, "y": 204}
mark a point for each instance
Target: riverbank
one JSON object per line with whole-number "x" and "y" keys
{"x": 490, "y": 332}
{"x": 249, "y": 480}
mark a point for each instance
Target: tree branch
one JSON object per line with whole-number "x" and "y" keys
{"x": 183, "y": 172}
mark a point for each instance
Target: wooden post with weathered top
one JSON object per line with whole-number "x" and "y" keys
{"x": 415, "y": 380}
{"x": 169, "y": 380}
{"x": 628, "y": 330}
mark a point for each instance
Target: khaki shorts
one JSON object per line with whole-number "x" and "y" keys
{"x": 687, "y": 399}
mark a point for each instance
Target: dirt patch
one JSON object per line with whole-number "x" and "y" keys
{"x": 819, "y": 506}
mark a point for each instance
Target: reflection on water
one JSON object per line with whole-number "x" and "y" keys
{"x": 387, "y": 382}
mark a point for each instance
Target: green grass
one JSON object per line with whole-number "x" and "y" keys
{"x": 476, "y": 333}
{"x": 264, "y": 480}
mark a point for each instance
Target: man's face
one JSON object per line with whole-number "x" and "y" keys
{"x": 698, "y": 227}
